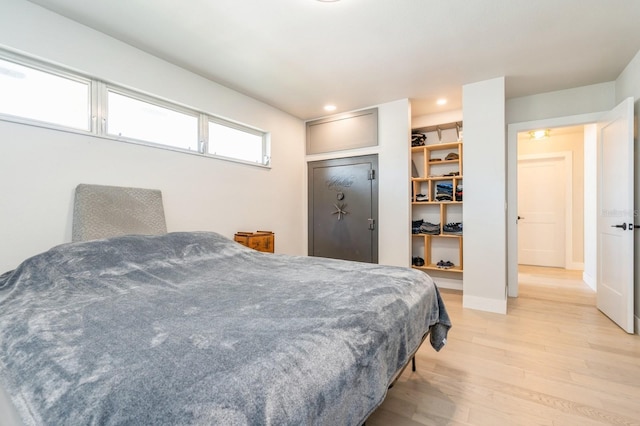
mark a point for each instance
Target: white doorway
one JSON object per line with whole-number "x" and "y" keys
{"x": 583, "y": 229}
{"x": 545, "y": 194}
{"x": 618, "y": 214}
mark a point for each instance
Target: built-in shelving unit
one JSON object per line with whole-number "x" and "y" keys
{"x": 437, "y": 197}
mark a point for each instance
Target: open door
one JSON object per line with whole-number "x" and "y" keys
{"x": 616, "y": 221}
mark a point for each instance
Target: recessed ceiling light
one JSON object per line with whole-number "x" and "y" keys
{"x": 441, "y": 101}
{"x": 329, "y": 107}
{"x": 539, "y": 134}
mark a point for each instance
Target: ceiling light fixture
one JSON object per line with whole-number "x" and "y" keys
{"x": 539, "y": 134}
{"x": 441, "y": 101}
{"x": 329, "y": 107}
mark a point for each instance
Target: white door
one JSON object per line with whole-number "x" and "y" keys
{"x": 542, "y": 189}
{"x": 616, "y": 215}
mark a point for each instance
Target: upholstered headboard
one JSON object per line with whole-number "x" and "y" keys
{"x": 109, "y": 211}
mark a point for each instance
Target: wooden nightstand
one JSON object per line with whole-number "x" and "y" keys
{"x": 260, "y": 240}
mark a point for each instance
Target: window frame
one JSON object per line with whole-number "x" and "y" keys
{"x": 265, "y": 136}
{"x": 151, "y": 101}
{"x": 97, "y": 113}
{"x": 57, "y": 72}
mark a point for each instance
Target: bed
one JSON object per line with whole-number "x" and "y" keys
{"x": 194, "y": 328}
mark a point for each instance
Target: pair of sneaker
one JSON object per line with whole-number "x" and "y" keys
{"x": 417, "y": 261}
{"x": 445, "y": 264}
{"x": 453, "y": 228}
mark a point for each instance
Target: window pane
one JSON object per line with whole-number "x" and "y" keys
{"x": 38, "y": 95}
{"x": 136, "y": 119}
{"x": 234, "y": 143}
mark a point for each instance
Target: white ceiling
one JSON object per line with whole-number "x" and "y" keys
{"x": 299, "y": 55}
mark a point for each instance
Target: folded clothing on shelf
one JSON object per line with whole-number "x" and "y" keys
{"x": 418, "y": 139}
{"x": 444, "y": 191}
{"x": 429, "y": 228}
{"x": 459, "y": 192}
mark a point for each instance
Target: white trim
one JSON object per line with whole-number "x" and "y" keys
{"x": 590, "y": 280}
{"x": 575, "y": 266}
{"x": 512, "y": 183}
{"x": 484, "y": 304}
{"x": 567, "y": 158}
{"x": 448, "y": 283}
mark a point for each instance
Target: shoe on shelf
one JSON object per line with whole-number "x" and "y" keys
{"x": 452, "y": 156}
{"x": 453, "y": 228}
{"x": 417, "y": 261}
{"x": 445, "y": 264}
{"x": 422, "y": 198}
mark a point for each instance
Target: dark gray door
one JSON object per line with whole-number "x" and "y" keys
{"x": 343, "y": 208}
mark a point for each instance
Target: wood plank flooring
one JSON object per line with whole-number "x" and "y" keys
{"x": 553, "y": 360}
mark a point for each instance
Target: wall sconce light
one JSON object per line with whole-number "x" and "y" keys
{"x": 539, "y": 134}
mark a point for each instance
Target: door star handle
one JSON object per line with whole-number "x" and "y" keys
{"x": 623, "y": 226}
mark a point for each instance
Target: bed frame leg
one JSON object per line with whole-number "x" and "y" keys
{"x": 413, "y": 364}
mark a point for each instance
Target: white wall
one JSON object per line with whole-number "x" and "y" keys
{"x": 39, "y": 168}
{"x": 484, "y": 218}
{"x": 394, "y": 191}
{"x": 437, "y": 118}
{"x": 628, "y": 85}
{"x": 561, "y": 103}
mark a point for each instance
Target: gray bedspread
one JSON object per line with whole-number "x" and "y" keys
{"x": 193, "y": 328}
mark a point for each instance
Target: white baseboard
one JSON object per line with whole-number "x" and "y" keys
{"x": 484, "y": 304}
{"x": 575, "y": 266}
{"x": 448, "y": 283}
{"x": 590, "y": 280}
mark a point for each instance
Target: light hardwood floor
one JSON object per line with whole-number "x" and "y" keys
{"x": 553, "y": 360}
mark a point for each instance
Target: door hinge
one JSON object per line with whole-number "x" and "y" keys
{"x": 372, "y": 174}
{"x": 372, "y": 224}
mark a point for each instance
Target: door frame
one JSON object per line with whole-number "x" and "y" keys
{"x": 512, "y": 183}
{"x": 567, "y": 157}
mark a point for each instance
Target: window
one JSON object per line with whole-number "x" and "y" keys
{"x": 228, "y": 141}
{"x": 35, "y": 93}
{"x": 136, "y": 119}
{"x": 43, "y": 96}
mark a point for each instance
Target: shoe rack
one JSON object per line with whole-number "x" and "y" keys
{"x": 437, "y": 197}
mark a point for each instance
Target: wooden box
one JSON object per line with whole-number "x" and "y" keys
{"x": 259, "y": 240}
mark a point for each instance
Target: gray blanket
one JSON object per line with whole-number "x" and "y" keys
{"x": 193, "y": 328}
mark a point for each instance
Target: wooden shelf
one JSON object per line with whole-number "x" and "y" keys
{"x": 430, "y": 164}
{"x": 435, "y": 268}
{"x": 427, "y": 179}
{"x": 437, "y": 235}
{"x": 435, "y": 202}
